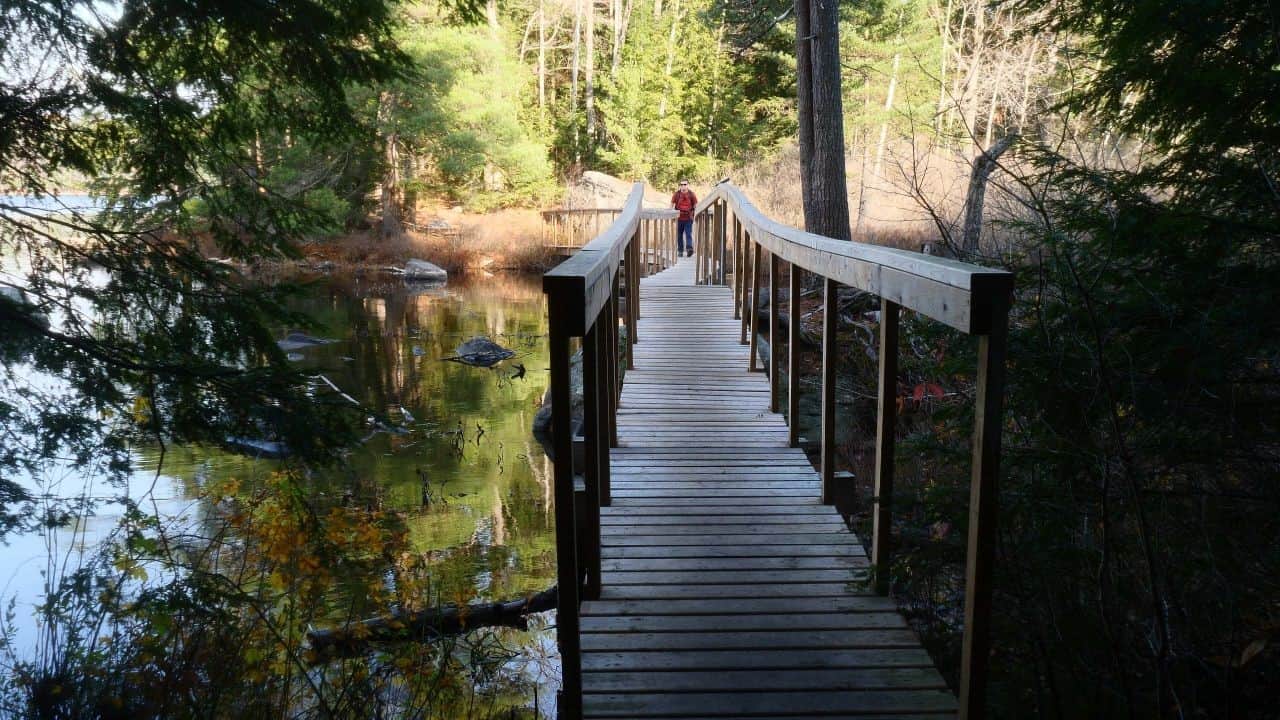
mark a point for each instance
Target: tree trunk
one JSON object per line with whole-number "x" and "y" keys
{"x": 866, "y": 157}
{"x": 671, "y": 58}
{"x": 826, "y": 197}
{"x": 573, "y": 82}
{"x": 542, "y": 62}
{"x": 392, "y": 227}
{"x": 590, "y": 89}
{"x": 354, "y": 638}
{"x": 491, "y": 14}
{"x": 888, "y": 110}
{"x": 983, "y": 166}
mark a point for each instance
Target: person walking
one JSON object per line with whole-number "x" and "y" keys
{"x": 684, "y": 201}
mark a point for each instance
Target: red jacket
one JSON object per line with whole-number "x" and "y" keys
{"x": 684, "y": 201}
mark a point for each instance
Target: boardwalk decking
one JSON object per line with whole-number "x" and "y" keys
{"x": 728, "y": 589}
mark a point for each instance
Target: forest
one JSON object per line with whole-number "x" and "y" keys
{"x": 1120, "y": 157}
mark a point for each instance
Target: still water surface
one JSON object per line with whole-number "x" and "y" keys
{"x": 464, "y": 469}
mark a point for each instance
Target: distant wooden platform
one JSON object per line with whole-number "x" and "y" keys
{"x": 729, "y": 590}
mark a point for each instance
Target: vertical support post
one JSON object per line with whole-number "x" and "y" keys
{"x": 975, "y": 651}
{"x": 593, "y": 403}
{"x": 793, "y": 355}
{"x": 567, "y": 577}
{"x": 737, "y": 268}
{"x": 721, "y": 235}
{"x": 698, "y": 245}
{"x": 615, "y": 377}
{"x": 830, "y": 316}
{"x": 757, "y": 273}
{"x": 886, "y": 424}
{"x": 747, "y": 277}
{"x": 633, "y": 299}
{"x": 634, "y": 248}
{"x": 775, "y": 347}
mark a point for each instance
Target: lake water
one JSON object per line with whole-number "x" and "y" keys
{"x": 486, "y": 522}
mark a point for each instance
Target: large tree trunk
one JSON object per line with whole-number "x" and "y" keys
{"x": 671, "y": 56}
{"x": 826, "y": 197}
{"x": 590, "y": 89}
{"x": 542, "y": 61}
{"x": 392, "y": 226}
{"x": 573, "y": 82}
{"x": 491, "y": 14}
{"x": 888, "y": 111}
{"x": 983, "y": 166}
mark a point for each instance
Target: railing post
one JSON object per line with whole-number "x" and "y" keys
{"x": 567, "y": 577}
{"x": 699, "y": 244}
{"x": 629, "y": 315}
{"x": 775, "y": 379}
{"x": 975, "y": 652}
{"x": 634, "y": 249}
{"x": 721, "y": 235}
{"x": 747, "y": 277}
{"x": 615, "y": 377}
{"x": 830, "y": 316}
{"x": 757, "y": 273}
{"x": 737, "y": 268}
{"x": 886, "y": 425}
{"x": 793, "y": 355}
{"x": 593, "y": 402}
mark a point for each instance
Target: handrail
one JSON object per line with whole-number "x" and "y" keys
{"x": 584, "y": 300}
{"x": 958, "y": 294}
{"x": 971, "y": 298}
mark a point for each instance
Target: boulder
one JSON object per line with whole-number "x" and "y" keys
{"x": 480, "y": 351}
{"x": 423, "y": 271}
{"x": 542, "y": 418}
{"x": 300, "y": 341}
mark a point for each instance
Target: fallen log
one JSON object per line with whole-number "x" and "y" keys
{"x": 425, "y": 625}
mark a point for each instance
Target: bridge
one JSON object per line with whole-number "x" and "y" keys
{"x": 702, "y": 572}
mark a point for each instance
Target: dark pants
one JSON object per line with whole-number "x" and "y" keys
{"x": 684, "y": 236}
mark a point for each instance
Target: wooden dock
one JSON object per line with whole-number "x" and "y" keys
{"x": 728, "y": 589}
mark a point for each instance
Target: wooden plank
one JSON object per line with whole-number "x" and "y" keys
{"x": 764, "y": 659}
{"x": 772, "y": 606}
{"x": 752, "y": 640}
{"x": 742, "y": 622}
{"x": 738, "y": 680}
{"x": 682, "y": 705}
{"x": 804, "y": 591}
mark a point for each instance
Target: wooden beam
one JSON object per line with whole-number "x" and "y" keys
{"x": 793, "y": 356}
{"x": 568, "y": 578}
{"x": 975, "y": 653}
{"x": 886, "y": 425}
{"x": 830, "y": 318}
{"x": 775, "y": 353}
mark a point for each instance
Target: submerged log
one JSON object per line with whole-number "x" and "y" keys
{"x": 352, "y": 639}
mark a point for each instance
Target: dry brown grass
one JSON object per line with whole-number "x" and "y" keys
{"x": 503, "y": 240}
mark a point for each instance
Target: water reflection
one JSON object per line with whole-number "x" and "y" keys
{"x": 459, "y": 461}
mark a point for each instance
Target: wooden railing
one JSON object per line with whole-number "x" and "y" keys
{"x": 573, "y": 227}
{"x": 734, "y": 239}
{"x": 585, "y": 300}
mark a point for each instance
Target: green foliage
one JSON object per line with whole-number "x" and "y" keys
{"x": 462, "y": 113}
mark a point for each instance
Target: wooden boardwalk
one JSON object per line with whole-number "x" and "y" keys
{"x": 728, "y": 589}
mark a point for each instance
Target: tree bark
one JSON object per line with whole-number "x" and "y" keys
{"x": 542, "y": 61}
{"x": 983, "y": 166}
{"x": 590, "y": 88}
{"x": 491, "y": 14}
{"x": 671, "y": 57}
{"x": 392, "y": 226}
{"x": 573, "y": 82}
{"x": 888, "y": 110}
{"x": 826, "y": 197}
{"x": 354, "y": 638}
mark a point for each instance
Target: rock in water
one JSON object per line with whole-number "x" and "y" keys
{"x": 423, "y": 271}
{"x": 298, "y": 341}
{"x": 480, "y": 351}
